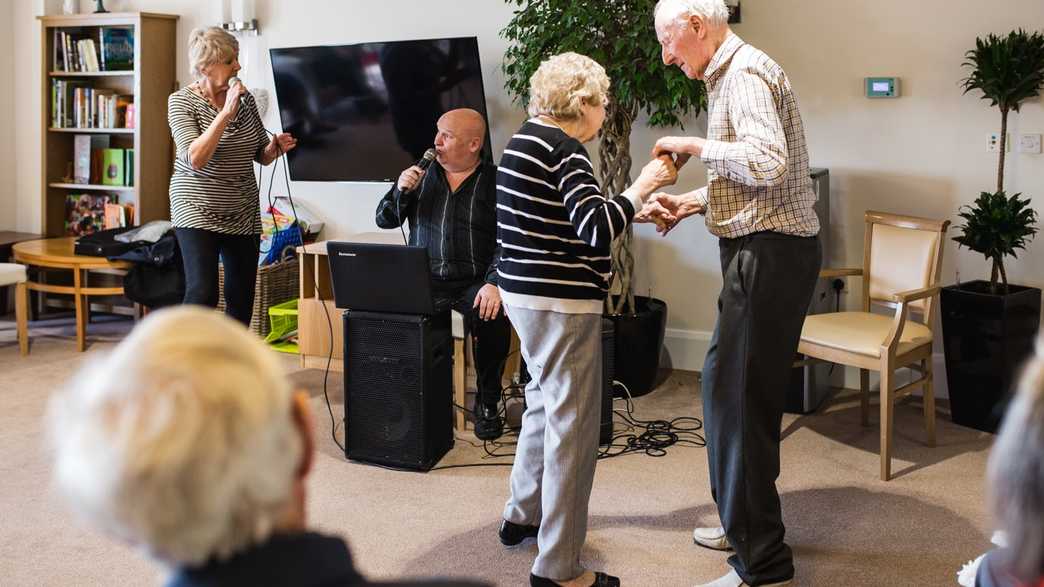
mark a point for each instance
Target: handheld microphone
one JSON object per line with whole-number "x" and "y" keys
{"x": 236, "y": 81}
{"x": 424, "y": 163}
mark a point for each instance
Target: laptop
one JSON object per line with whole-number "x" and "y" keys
{"x": 380, "y": 277}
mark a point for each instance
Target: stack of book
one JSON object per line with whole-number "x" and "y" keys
{"x": 76, "y": 50}
{"x": 94, "y": 162}
{"x": 74, "y": 104}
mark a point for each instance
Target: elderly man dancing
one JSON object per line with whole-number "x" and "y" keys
{"x": 758, "y": 202}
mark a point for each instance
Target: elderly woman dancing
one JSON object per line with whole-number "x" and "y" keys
{"x": 213, "y": 194}
{"x": 556, "y": 228}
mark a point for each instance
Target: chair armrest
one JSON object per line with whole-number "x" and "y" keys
{"x": 840, "y": 272}
{"x": 915, "y": 294}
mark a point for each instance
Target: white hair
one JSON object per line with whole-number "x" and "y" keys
{"x": 1016, "y": 474}
{"x": 563, "y": 83}
{"x": 713, "y": 11}
{"x": 182, "y": 440}
{"x": 210, "y": 45}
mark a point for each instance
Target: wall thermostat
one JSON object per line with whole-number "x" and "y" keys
{"x": 882, "y": 87}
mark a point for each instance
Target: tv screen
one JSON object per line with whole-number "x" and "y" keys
{"x": 367, "y": 111}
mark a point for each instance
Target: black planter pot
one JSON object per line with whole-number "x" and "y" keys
{"x": 986, "y": 337}
{"x": 638, "y": 340}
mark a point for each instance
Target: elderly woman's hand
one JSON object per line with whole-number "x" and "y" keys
{"x": 657, "y": 173}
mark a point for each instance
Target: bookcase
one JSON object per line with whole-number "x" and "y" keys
{"x": 146, "y": 81}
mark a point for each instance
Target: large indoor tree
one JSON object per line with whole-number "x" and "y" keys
{"x": 619, "y": 35}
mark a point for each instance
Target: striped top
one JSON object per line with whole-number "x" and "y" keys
{"x": 553, "y": 223}
{"x": 756, "y": 155}
{"x": 223, "y": 195}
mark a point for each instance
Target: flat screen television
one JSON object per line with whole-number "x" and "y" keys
{"x": 365, "y": 112}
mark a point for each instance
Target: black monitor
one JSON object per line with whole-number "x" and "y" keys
{"x": 365, "y": 112}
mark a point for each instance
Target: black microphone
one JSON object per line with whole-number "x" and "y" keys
{"x": 424, "y": 163}
{"x": 235, "y": 80}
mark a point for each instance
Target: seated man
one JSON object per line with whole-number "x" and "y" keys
{"x": 188, "y": 442}
{"x": 451, "y": 209}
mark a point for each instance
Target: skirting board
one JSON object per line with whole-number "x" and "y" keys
{"x": 685, "y": 350}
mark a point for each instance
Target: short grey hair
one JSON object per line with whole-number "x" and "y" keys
{"x": 182, "y": 440}
{"x": 210, "y": 45}
{"x": 713, "y": 11}
{"x": 1016, "y": 474}
{"x": 563, "y": 83}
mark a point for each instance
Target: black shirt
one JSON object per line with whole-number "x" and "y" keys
{"x": 459, "y": 229}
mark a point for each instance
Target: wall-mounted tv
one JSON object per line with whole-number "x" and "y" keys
{"x": 367, "y": 111}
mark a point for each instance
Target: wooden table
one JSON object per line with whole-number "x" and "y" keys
{"x": 57, "y": 253}
{"x": 8, "y": 239}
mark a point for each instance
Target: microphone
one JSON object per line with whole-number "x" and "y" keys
{"x": 424, "y": 163}
{"x": 236, "y": 81}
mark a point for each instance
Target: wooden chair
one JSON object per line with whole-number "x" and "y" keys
{"x": 14, "y": 274}
{"x": 462, "y": 359}
{"x": 902, "y": 259}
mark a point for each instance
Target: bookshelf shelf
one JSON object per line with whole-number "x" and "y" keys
{"x": 151, "y": 46}
{"x": 93, "y": 187}
{"x": 125, "y": 131}
{"x": 91, "y": 73}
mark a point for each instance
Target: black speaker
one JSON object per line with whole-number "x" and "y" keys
{"x": 605, "y": 430}
{"x": 398, "y": 382}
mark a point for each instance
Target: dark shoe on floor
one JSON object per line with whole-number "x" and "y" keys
{"x": 513, "y": 534}
{"x": 488, "y": 425}
{"x": 600, "y": 580}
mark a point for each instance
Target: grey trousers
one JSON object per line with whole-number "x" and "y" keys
{"x": 768, "y": 280}
{"x": 558, "y": 446}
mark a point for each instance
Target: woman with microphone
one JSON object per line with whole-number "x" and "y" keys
{"x": 214, "y": 202}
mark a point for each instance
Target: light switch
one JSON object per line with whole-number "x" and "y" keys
{"x": 1029, "y": 143}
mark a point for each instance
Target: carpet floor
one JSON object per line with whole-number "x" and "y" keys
{"x": 846, "y": 527}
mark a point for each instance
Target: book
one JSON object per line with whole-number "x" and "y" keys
{"x": 84, "y": 146}
{"x": 117, "y": 48}
{"x": 85, "y": 213}
{"x": 112, "y": 167}
{"x": 129, "y": 115}
{"x": 115, "y": 216}
{"x": 128, "y": 167}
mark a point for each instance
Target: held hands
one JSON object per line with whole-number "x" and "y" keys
{"x": 670, "y": 210}
{"x": 680, "y": 148}
{"x": 487, "y": 301}
{"x": 410, "y": 179}
{"x": 657, "y": 173}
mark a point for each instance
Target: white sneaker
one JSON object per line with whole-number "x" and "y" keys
{"x": 733, "y": 580}
{"x": 713, "y": 538}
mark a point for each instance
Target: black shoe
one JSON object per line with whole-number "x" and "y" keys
{"x": 488, "y": 425}
{"x": 600, "y": 580}
{"x": 513, "y": 534}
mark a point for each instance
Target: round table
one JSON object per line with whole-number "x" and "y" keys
{"x": 57, "y": 253}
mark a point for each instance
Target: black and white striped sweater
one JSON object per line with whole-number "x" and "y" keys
{"x": 553, "y": 223}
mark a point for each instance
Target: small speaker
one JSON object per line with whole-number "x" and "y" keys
{"x": 398, "y": 382}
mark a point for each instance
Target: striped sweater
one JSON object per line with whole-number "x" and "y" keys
{"x": 553, "y": 223}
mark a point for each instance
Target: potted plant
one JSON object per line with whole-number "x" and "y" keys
{"x": 618, "y": 35}
{"x": 989, "y": 327}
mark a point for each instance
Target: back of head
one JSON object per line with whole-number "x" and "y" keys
{"x": 1016, "y": 474}
{"x": 181, "y": 440}
{"x": 563, "y": 83}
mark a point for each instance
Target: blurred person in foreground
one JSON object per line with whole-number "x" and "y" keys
{"x": 188, "y": 442}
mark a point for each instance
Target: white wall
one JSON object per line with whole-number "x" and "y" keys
{"x": 922, "y": 154}
{"x": 7, "y": 93}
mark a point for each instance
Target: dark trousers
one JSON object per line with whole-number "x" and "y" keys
{"x": 768, "y": 280}
{"x": 491, "y": 339}
{"x": 200, "y": 251}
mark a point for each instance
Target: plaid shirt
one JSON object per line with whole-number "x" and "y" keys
{"x": 756, "y": 157}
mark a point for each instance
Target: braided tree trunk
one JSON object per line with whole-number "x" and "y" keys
{"x": 615, "y": 160}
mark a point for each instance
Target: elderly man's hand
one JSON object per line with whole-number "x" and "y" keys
{"x": 655, "y": 212}
{"x": 677, "y": 208}
{"x": 680, "y": 148}
{"x": 487, "y": 301}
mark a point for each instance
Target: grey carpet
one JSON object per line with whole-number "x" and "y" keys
{"x": 845, "y": 526}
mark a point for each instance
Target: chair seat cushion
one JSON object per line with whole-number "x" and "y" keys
{"x": 457, "y": 324}
{"x": 861, "y": 332}
{"x": 11, "y": 273}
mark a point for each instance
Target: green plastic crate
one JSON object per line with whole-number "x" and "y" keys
{"x": 283, "y": 319}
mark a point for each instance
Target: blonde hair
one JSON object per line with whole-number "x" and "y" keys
{"x": 565, "y": 82}
{"x": 1016, "y": 474}
{"x": 182, "y": 440}
{"x": 210, "y": 45}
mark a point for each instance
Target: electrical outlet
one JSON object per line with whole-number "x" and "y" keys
{"x": 993, "y": 143}
{"x": 1029, "y": 143}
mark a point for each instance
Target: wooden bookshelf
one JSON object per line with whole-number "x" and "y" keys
{"x": 153, "y": 78}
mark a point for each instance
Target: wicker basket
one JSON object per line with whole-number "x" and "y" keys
{"x": 275, "y": 284}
